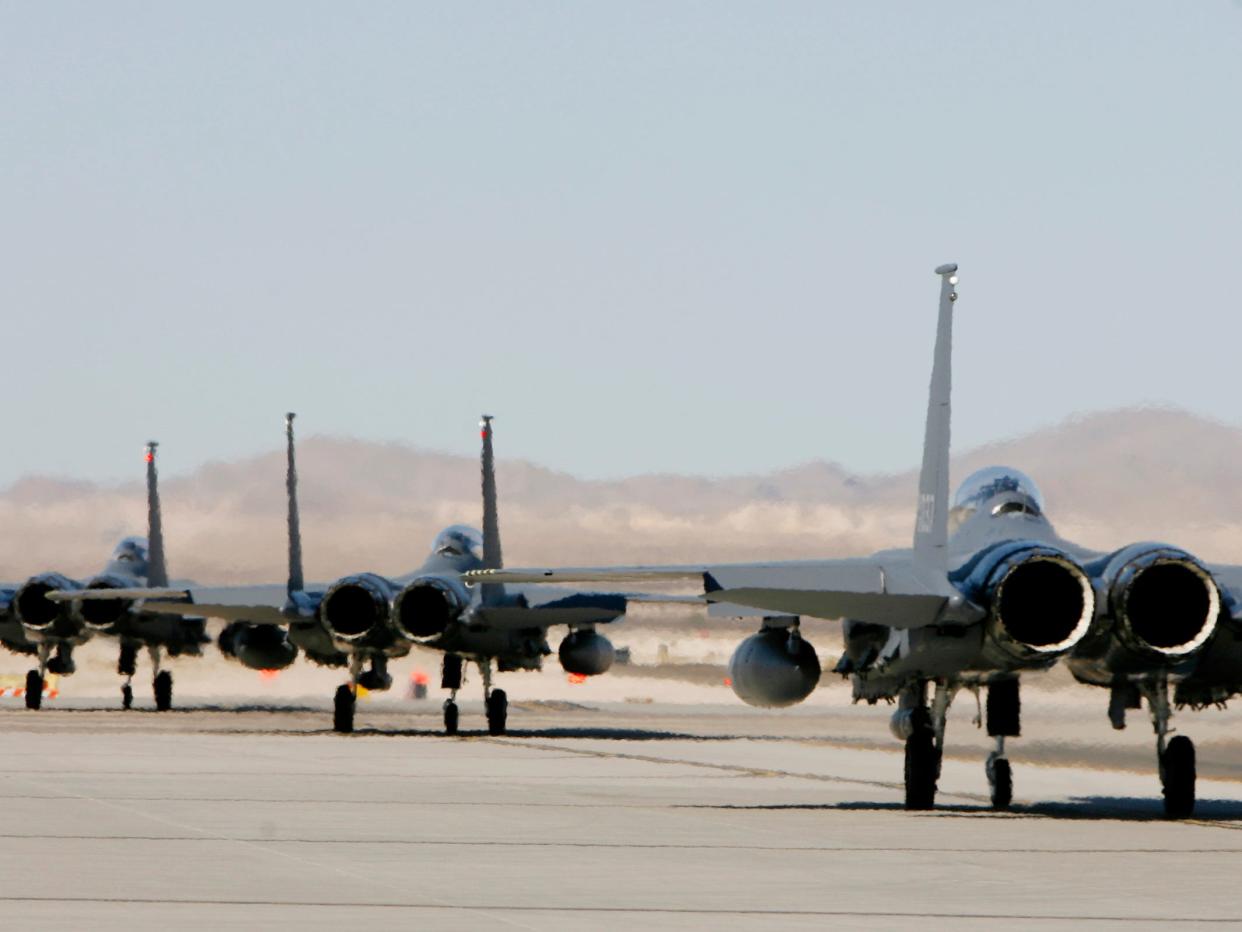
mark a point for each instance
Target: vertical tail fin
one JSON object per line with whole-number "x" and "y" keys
{"x": 492, "y": 559}
{"x": 157, "y": 569}
{"x": 296, "y": 581}
{"x": 490, "y": 593}
{"x": 931, "y": 529}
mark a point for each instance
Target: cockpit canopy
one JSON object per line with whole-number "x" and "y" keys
{"x": 131, "y": 551}
{"x": 1000, "y": 489}
{"x": 459, "y": 541}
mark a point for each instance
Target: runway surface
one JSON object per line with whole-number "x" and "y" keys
{"x": 589, "y": 816}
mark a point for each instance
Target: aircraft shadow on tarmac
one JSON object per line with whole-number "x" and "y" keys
{"x": 1101, "y": 808}
{"x": 608, "y": 734}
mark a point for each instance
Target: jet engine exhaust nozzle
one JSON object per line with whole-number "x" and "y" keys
{"x": 356, "y": 606}
{"x": 34, "y": 609}
{"x": 1043, "y": 604}
{"x": 425, "y": 608}
{"x": 1165, "y": 603}
{"x": 773, "y": 668}
{"x": 103, "y": 614}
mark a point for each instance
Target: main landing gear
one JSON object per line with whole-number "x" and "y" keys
{"x": 343, "y": 709}
{"x": 924, "y": 742}
{"x": 922, "y": 724}
{"x": 62, "y": 664}
{"x": 161, "y": 683}
{"x": 345, "y": 702}
{"x": 495, "y": 702}
{"x": 1176, "y": 756}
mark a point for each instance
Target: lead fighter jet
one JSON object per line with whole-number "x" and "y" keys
{"x": 367, "y": 619}
{"x": 987, "y": 592}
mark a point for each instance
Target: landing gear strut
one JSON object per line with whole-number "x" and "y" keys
{"x": 1004, "y": 720}
{"x": 1176, "y": 756}
{"x": 450, "y": 679}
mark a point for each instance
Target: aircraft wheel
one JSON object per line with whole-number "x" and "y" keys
{"x": 450, "y": 717}
{"x": 1177, "y": 775}
{"x": 163, "y": 685}
{"x": 343, "y": 705}
{"x": 1001, "y": 777}
{"x": 127, "y": 697}
{"x": 922, "y": 768}
{"x": 34, "y": 690}
{"x": 497, "y": 712}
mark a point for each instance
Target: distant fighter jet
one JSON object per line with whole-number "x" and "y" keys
{"x": 987, "y": 592}
{"x": 363, "y": 620}
{"x": 30, "y": 623}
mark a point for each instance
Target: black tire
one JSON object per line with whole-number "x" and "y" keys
{"x": 34, "y": 690}
{"x": 163, "y": 687}
{"x": 1177, "y": 774}
{"x": 1002, "y": 784}
{"x": 343, "y": 704}
{"x": 127, "y": 697}
{"x": 450, "y": 717}
{"x": 497, "y": 712}
{"x": 922, "y": 769}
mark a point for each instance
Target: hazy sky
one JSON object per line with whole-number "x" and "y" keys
{"x": 647, "y": 236}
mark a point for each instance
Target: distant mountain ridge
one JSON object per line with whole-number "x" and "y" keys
{"x": 1109, "y": 478}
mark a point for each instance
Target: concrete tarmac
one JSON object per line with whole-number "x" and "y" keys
{"x": 588, "y": 817}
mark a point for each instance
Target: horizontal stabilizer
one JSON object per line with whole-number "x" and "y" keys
{"x": 260, "y": 605}
{"x": 583, "y": 574}
{"x": 255, "y": 614}
{"x": 864, "y": 590}
{"x": 887, "y": 590}
{"x": 106, "y": 595}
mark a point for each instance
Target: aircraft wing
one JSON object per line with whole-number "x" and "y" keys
{"x": 262, "y": 605}
{"x": 888, "y": 591}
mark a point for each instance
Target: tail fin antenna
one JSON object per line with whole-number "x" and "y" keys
{"x": 157, "y": 568}
{"x": 931, "y": 529}
{"x": 296, "y": 582}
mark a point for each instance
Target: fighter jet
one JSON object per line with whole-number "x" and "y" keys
{"x": 988, "y": 591}
{"x": 363, "y": 620}
{"x": 970, "y": 607}
{"x": 32, "y": 624}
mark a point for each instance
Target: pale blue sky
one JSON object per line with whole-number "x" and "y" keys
{"x": 648, "y": 236}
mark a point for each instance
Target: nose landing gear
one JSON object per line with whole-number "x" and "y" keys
{"x": 1004, "y": 720}
{"x": 450, "y": 679}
